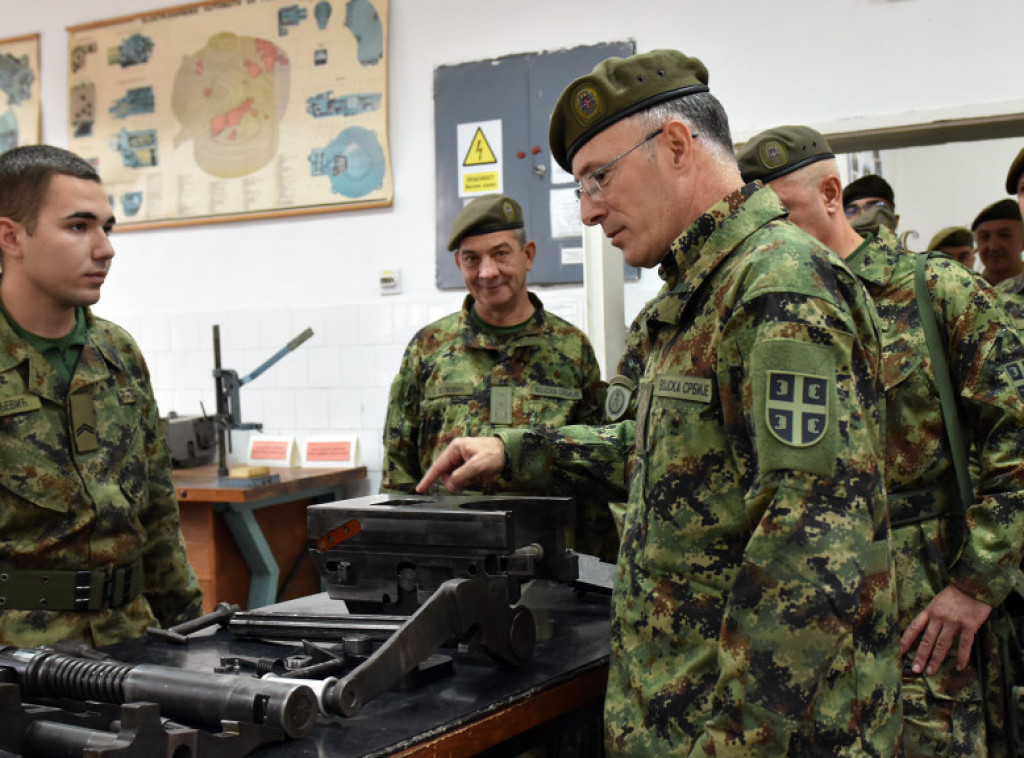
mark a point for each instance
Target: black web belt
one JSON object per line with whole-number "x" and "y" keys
{"x": 87, "y": 590}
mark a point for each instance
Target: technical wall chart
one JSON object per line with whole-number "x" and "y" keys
{"x": 234, "y": 109}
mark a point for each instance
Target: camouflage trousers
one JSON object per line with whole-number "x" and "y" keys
{"x": 959, "y": 714}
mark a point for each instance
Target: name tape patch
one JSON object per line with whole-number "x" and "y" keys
{"x": 695, "y": 388}
{"x": 20, "y": 404}
{"x": 562, "y": 393}
{"x": 449, "y": 390}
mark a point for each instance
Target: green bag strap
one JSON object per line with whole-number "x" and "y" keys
{"x": 947, "y": 398}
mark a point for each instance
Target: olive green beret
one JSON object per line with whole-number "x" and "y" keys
{"x": 999, "y": 210}
{"x": 952, "y": 236}
{"x": 1013, "y": 177}
{"x": 777, "y": 152}
{"x": 485, "y": 214}
{"x": 615, "y": 89}
{"x": 871, "y": 185}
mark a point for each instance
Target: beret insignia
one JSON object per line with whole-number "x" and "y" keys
{"x": 587, "y": 106}
{"x": 773, "y": 153}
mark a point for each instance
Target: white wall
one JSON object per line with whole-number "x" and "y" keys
{"x": 801, "y": 61}
{"x": 947, "y": 185}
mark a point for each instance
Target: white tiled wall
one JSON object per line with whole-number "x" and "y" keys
{"x": 334, "y": 383}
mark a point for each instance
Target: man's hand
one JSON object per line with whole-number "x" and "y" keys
{"x": 466, "y": 461}
{"x": 950, "y": 614}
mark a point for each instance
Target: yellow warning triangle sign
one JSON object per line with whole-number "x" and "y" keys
{"x": 479, "y": 153}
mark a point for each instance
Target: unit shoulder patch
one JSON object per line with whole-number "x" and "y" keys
{"x": 1015, "y": 370}
{"x": 616, "y": 402}
{"x": 797, "y": 406}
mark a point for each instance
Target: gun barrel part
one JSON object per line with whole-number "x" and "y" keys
{"x": 188, "y": 696}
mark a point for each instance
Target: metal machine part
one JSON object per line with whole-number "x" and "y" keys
{"x": 272, "y": 625}
{"x": 192, "y": 698}
{"x": 464, "y": 607}
{"x": 229, "y": 405}
{"x": 388, "y": 553}
{"x": 192, "y": 440}
{"x": 423, "y": 571}
{"x": 179, "y": 633}
{"x": 101, "y": 730}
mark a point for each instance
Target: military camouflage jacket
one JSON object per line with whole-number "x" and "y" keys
{"x": 103, "y": 501}
{"x": 754, "y": 603}
{"x": 1011, "y": 295}
{"x": 986, "y": 361}
{"x": 457, "y": 380}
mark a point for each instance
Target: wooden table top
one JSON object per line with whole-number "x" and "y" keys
{"x": 199, "y": 484}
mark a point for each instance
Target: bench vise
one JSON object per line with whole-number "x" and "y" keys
{"x": 390, "y": 553}
{"x": 433, "y": 570}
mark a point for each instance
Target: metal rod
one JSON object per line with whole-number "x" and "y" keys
{"x": 222, "y": 453}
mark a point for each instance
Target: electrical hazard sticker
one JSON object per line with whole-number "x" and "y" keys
{"x": 479, "y": 147}
{"x": 480, "y": 152}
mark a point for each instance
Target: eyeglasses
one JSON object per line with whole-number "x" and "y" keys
{"x": 595, "y": 181}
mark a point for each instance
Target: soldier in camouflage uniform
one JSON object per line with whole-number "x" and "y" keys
{"x": 503, "y": 361}
{"x": 1015, "y": 179}
{"x": 1012, "y": 289}
{"x": 955, "y": 241}
{"x": 90, "y": 544}
{"x": 999, "y": 234}
{"x": 870, "y": 201}
{"x": 951, "y": 571}
{"x": 754, "y": 602}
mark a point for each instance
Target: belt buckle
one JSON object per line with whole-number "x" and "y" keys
{"x": 113, "y": 597}
{"x": 106, "y": 600}
{"x": 126, "y": 584}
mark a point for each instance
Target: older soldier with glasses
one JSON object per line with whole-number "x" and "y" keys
{"x": 754, "y": 606}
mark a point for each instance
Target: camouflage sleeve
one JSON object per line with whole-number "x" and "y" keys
{"x": 798, "y": 617}
{"x": 401, "y": 467}
{"x": 171, "y": 587}
{"x": 572, "y": 460}
{"x": 987, "y": 363}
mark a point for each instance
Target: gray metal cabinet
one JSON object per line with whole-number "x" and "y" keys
{"x": 518, "y": 93}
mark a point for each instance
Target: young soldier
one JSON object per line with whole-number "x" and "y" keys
{"x": 90, "y": 543}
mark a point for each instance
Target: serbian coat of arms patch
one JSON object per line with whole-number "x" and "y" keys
{"x": 797, "y": 407}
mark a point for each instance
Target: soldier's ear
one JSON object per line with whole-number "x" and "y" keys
{"x": 11, "y": 233}
{"x": 831, "y": 191}
{"x": 530, "y": 248}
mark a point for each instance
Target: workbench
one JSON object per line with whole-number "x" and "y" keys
{"x": 238, "y": 537}
{"x": 483, "y": 708}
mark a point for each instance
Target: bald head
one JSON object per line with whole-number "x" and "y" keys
{"x": 814, "y": 197}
